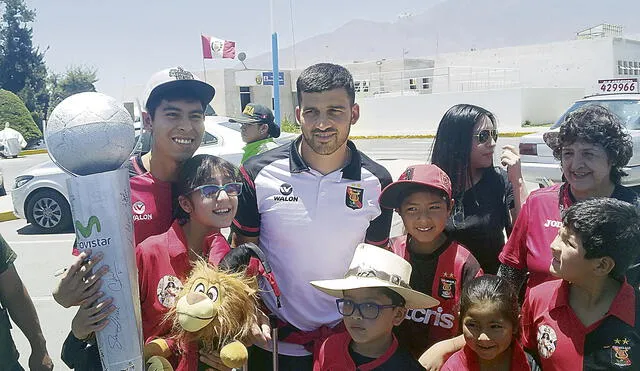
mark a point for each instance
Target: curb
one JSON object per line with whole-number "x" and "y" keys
{"x": 431, "y": 136}
{"x": 7, "y": 215}
{"x": 513, "y": 134}
{"x": 32, "y": 152}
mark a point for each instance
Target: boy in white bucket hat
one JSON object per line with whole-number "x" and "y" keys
{"x": 374, "y": 296}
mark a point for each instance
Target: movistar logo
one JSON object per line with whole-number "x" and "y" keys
{"x": 85, "y": 231}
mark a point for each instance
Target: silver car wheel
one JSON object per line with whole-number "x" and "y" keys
{"x": 47, "y": 212}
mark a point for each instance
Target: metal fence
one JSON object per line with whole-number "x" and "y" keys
{"x": 435, "y": 80}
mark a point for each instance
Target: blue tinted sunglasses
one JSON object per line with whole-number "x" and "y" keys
{"x": 212, "y": 190}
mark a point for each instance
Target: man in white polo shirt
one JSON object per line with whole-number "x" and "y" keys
{"x": 308, "y": 205}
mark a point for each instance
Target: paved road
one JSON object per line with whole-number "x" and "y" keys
{"x": 12, "y": 167}
{"x": 411, "y": 149}
{"x": 39, "y": 256}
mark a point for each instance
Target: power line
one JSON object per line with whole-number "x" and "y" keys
{"x": 293, "y": 35}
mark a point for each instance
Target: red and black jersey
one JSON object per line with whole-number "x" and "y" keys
{"x": 551, "y": 329}
{"x": 442, "y": 275}
{"x": 536, "y": 227}
{"x": 151, "y": 201}
{"x": 335, "y": 355}
{"x": 163, "y": 266}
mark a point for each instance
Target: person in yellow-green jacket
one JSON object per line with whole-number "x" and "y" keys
{"x": 258, "y": 130}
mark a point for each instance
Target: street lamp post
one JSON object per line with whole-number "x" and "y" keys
{"x": 404, "y": 52}
{"x": 380, "y": 83}
{"x": 276, "y": 70}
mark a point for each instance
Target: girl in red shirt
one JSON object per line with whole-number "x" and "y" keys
{"x": 489, "y": 317}
{"x": 207, "y": 199}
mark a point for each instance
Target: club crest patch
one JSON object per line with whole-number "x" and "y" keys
{"x": 354, "y": 197}
{"x": 621, "y": 353}
{"x": 547, "y": 340}
{"x": 168, "y": 288}
{"x": 447, "y": 286}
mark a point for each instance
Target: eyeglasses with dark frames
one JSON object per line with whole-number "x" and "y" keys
{"x": 212, "y": 190}
{"x": 483, "y": 136}
{"x": 347, "y": 307}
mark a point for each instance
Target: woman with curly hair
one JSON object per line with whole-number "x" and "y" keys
{"x": 593, "y": 148}
{"x": 487, "y": 198}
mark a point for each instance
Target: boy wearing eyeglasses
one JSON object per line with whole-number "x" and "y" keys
{"x": 441, "y": 266}
{"x": 373, "y": 298}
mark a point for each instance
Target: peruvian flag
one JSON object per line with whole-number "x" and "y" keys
{"x": 217, "y": 48}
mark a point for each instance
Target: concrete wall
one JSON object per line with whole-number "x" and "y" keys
{"x": 545, "y": 105}
{"x": 262, "y": 94}
{"x": 217, "y": 79}
{"x": 628, "y": 51}
{"x": 576, "y": 63}
{"x": 421, "y": 114}
{"x": 391, "y": 75}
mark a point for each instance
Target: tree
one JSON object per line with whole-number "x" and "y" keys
{"x": 13, "y": 111}
{"x": 77, "y": 79}
{"x": 22, "y": 67}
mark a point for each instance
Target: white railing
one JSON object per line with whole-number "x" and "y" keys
{"x": 435, "y": 80}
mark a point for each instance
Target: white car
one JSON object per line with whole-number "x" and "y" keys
{"x": 3, "y": 192}
{"x": 40, "y": 193}
{"x": 539, "y": 165}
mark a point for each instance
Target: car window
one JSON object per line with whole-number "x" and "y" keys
{"x": 209, "y": 139}
{"x": 143, "y": 142}
{"x": 231, "y": 125}
{"x": 627, "y": 110}
{"x": 209, "y": 111}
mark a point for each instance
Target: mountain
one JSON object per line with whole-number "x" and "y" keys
{"x": 459, "y": 25}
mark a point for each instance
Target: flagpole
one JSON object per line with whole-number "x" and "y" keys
{"x": 276, "y": 71}
{"x": 204, "y": 69}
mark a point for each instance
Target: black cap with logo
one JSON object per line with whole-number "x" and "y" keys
{"x": 258, "y": 114}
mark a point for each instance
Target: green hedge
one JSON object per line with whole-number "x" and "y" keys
{"x": 13, "y": 111}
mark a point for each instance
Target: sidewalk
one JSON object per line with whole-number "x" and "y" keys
{"x": 6, "y": 208}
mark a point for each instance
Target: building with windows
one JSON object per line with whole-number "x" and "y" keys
{"x": 531, "y": 83}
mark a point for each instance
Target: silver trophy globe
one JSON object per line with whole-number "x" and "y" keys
{"x": 89, "y": 133}
{"x": 90, "y": 136}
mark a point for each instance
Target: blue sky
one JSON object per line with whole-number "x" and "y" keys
{"x": 127, "y": 41}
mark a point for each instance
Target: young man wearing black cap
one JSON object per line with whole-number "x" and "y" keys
{"x": 174, "y": 106}
{"x": 258, "y": 130}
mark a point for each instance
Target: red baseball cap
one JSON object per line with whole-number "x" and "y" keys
{"x": 427, "y": 175}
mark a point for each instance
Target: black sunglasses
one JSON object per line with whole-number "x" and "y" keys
{"x": 347, "y": 307}
{"x": 484, "y": 135}
{"x": 212, "y": 190}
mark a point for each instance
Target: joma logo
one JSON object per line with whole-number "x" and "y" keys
{"x": 86, "y": 231}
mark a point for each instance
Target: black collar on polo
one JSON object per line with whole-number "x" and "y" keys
{"x": 352, "y": 171}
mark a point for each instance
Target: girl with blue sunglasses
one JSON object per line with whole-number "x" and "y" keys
{"x": 205, "y": 201}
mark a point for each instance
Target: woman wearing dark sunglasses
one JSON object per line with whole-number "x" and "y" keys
{"x": 487, "y": 198}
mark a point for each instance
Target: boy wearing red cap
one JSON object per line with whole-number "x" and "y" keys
{"x": 441, "y": 266}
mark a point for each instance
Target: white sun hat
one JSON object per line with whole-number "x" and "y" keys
{"x": 374, "y": 266}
